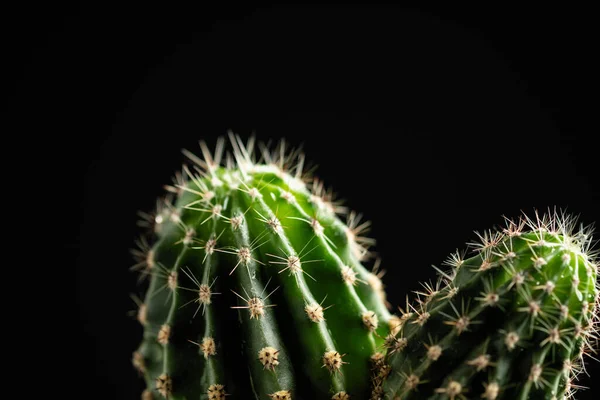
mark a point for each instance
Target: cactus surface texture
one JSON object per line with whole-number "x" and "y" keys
{"x": 258, "y": 288}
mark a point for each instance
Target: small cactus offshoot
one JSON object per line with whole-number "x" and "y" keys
{"x": 257, "y": 288}
{"x": 514, "y": 321}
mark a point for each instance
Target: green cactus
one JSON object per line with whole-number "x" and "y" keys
{"x": 512, "y": 322}
{"x": 256, "y": 286}
{"x": 257, "y": 289}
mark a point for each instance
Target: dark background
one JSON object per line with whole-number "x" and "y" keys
{"x": 433, "y": 122}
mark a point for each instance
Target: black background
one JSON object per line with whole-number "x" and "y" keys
{"x": 433, "y": 122}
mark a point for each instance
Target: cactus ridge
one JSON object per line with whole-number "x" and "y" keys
{"x": 256, "y": 286}
{"x": 513, "y": 321}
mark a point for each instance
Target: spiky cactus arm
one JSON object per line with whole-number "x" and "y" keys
{"x": 256, "y": 286}
{"x": 511, "y": 322}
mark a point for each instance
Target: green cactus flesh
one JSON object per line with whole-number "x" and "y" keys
{"x": 511, "y": 322}
{"x": 256, "y": 288}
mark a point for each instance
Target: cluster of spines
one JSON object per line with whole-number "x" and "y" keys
{"x": 224, "y": 223}
{"x": 532, "y": 285}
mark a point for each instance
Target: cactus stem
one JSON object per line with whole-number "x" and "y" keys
{"x": 531, "y": 288}
{"x": 207, "y": 208}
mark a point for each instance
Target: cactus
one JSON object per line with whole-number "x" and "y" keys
{"x": 257, "y": 288}
{"x": 513, "y": 321}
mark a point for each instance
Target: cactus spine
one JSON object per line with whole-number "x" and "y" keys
{"x": 512, "y": 322}
{"x": 256, "y": 286}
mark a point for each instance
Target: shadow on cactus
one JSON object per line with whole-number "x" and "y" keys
{"x": 257, "y": 288}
